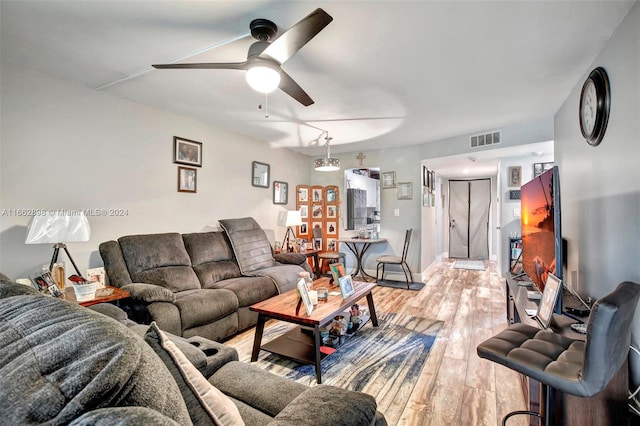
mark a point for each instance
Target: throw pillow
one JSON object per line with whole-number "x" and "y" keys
{"x": 204, "y": 401}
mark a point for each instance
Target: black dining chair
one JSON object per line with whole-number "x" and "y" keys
{"x": 576, "y": 367}
{"x": 397, "y": 260}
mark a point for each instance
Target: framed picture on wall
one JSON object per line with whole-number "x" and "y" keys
{"x": 304, "y": 212}
{"x": 187, "y": 179}
{"x": 388, "y": 180}
{"x": 425, "y": 177}
{"x": 405, "y": 190}
{"x": 332, "y": 212}
{"x": 187, "y": 152}
{"x": 515, "y": 175}
{"x": 539, "y": 168}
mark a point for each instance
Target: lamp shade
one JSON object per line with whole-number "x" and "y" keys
{"x": 293, "y": 218}
{"x": 263, "y": 79}
{"x": 66, "y": 226}
{"x": 328, "y": 164}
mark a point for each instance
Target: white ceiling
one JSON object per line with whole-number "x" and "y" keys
{"x": 382, "y": 74}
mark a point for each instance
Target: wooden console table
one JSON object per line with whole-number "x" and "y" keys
{"x": 609, "y": 407}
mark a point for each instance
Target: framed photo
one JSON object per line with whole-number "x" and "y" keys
{"x": 47, "y": 285}
{"x": 316, "y": 195}
{"x": 425, "y": 177}
{"x": 331, "y": 195}
{"x": 97, "y": 275}
{"x": 332, "y": 244}
{"x": 187, "y": 179}
{"x": 304, "y": 295}
{"x": 388, "y": 180}
{"x": 337, "y": 271}
{"x": 432, "y": 181}
{"x": 302, "y": 229}
{"x": 539, "y": 168}
{"x": 346, "y": 286}
{"x": 332, "y": 228}
{"x": 187, "y": 152}
{"x": 316, "y": 211}
{"x": 515, "y": 174}
{"x": 303, "y": 194}
{"x": 405, "y": 190}
{"x": 304, "y": 212}
{"x": 280, "y": 192}
{"x": 332, "y": 212}
{"x": 308, "y": 245}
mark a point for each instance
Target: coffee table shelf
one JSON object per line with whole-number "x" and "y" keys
{"x": 302, "y": 346}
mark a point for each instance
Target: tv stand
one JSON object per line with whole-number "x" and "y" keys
{"x": 608, "y": 406}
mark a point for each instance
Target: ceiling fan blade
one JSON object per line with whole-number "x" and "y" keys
{"x": 227, "y": 66}
{"x": 291, "y": 88}
{"x": 297, "y": 36}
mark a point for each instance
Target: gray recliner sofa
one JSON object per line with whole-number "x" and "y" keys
{"x": 192, "y": 284}
{"x": 66, "y": 364}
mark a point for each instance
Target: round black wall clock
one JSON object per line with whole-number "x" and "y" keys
{"x": 595, "y": 100}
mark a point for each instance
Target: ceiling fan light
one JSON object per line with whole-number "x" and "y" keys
{"x": 327, "y": 164}
{"x": 263, "y": 79}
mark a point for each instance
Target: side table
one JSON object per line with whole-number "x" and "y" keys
{"x": 117, "y": 294}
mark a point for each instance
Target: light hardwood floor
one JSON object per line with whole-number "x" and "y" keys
{"x": 455, "y": 387}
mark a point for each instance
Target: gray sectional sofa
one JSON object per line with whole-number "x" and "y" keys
{"x": 61, "y": 363}
{"x": 200, "y": 284}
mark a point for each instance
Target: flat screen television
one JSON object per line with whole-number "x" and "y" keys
{"x": 541, "y": 228}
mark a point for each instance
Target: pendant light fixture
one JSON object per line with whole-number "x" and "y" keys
{"x": 327, "y": 164}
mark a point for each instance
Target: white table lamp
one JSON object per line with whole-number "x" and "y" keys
{"x": 293, "y": 219}
{"x": 58, "y": 228}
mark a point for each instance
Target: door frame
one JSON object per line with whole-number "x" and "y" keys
{"x": 446, "y": 223}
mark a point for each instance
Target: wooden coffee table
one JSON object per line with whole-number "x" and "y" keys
{"x": 295, "y": 344}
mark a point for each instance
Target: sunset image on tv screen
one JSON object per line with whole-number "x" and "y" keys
{"x": 538, "y": 240}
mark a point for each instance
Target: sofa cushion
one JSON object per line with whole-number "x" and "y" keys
{"x": 159, "y": 259}
{"x": 285, "y": 277}
{"x": 198, "y": 307}
{"x": 238, "y": 380}
{"x": 248, "y": 290}
{"x": 329, "y": 406}
{"x": 59, "y": 360}
{"x": 250, "y": 244}
{"x": 204, "y": 401}
{"x": 211, "y": 256}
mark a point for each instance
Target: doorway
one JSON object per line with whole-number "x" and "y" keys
{"x": 469, "y": 207}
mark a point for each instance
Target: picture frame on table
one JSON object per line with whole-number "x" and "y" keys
{"x": 186, "y": 151}
{"x": 187, "y": 179}
{"x": 47, "y": 285}
{"x": 304, "y": 296}
{"x": 388, "y": 180}
{"x": 346, "y": 286}
{"x": 337, "y": 271}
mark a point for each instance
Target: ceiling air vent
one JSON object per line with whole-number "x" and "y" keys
{"x": 486, "y": 139}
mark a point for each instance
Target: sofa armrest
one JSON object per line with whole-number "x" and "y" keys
{"x": 290, "y": 258}
{"x": 150, "y": 293}
{"x": 328, "y": 405}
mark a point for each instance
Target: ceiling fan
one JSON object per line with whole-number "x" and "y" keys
{"x": 265, "y": 56}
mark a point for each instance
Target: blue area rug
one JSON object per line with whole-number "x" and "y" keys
{"x": 383, "y": 361}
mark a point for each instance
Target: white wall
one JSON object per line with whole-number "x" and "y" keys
{"x": 66, "y": 146}
{"x": 600, "y": 187}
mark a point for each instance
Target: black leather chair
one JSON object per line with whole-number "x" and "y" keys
{"x": 581, "y": 368}
{"x": 397, "y": 260}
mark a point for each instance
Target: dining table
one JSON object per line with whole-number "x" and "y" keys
{"x": 359, "y": 246}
